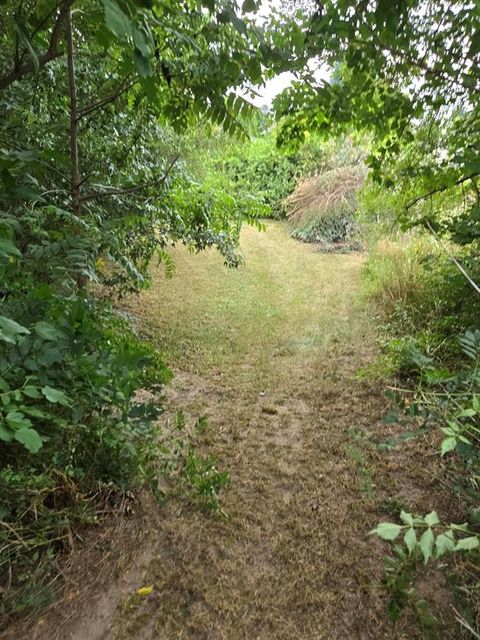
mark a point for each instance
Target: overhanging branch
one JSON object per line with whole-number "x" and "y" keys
{"x": 19, "y": 71}
{"x": 440, "y": 189}
{"x": 124, "y": 85}
{"x": 129, "y": 190}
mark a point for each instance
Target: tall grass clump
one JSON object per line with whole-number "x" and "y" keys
{"x": 394, "y": 275}
{"x": 322, "y": 207}
{"x": 420, "y": 292}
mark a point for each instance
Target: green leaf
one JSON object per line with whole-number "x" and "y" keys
{"x": 432, "y": 519}
{"x": 140, "y": 42}
{"x": 10, "y": 330}
{"x": 55, "y": 396}
{"x": 116, "y": 20}
{"x": 8, "y": 248}
{"x": 407, "y": 518}
{"x": 249, "y": 6}
{"x": 25, "y": 40}
{"x": 426, "y": 544}
{"x": 410, "y": 539}
{"x": 47, "y": 330}
{"x": 467, "y": 544}
{"x": 387, "y": 530}
{"x": 34, "y": 412}
{"x": 142, "y": 63}
{"x": 6, "y": 435}
{"x": 31, "y": 392}
{"x": 448, "y": 444}
{"x": 467, "y": 413}
{"x": 29, "y": 438}
{"x": 443, "y": 544}
{"x": 17, "y": 420}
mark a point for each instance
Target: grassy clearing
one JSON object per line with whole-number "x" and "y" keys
{"x": 269, "y": 354}
{"x": 287, "y": 301}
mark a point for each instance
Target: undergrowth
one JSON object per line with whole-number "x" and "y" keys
{"x": 431, "y": 349}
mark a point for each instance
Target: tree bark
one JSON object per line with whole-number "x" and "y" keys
{"x": 75, "y": 179}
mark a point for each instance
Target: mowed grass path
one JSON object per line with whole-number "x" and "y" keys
{"x": 287, "y": 303}
{"x": 269, "y": 354}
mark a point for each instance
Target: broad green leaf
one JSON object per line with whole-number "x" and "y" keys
{"x": 34, "y": 412}
{"x": 10, "y": 330}
{"x": 387, "y": 530}
{"x": 17, "y": 420}
{"x": 26, "y": 41}
{"x": 426, "y": 544}
{"x": 5, "y": 434}
{"x": 47, "y": 330}
{"x": 248, "y": 6}
{"x": 55, "y": 395}
{"x": 8, "y": 248}
{"x": 443, "y": 544}
{"x": 432, "y": 519}
{"x": 407, "y": 518}
{"x": 29, "y": 438}
{"x": 142, "y": 63}
{"x": 140, "y": 42}
{"x": 116, "y": 20}
{"x": 467, "y": 544}
{"x": 467, "y": 413}
{"x": 448, "y": 444}
{"x": 410, "y": 539}
{"x": 31, "y": 392}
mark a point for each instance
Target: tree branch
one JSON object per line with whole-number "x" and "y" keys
{"x": 464, "y": 273}
{"x": 440, "y": 189}
{"x": 19, "y": 71}
{"x": 129, "y": 190}
{"x": 125, "y": 85}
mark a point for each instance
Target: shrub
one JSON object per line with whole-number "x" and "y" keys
{"x": 321, "y": 209}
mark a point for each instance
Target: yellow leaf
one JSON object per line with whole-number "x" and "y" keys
{"x": 145, "y": 591}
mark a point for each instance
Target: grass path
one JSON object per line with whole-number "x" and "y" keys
{"x": 269, "y": 354}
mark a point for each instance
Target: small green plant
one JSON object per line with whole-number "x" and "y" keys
{"x": 429, "y": 535}
{"x": 180, "y": 460}
{"x": 422, "y": 537}
{"x": 205, "y": 480}
{"x": 355, "y": 453}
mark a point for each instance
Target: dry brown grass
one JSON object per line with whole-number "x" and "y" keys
{"x": 395, "y": 272}
{"x": 331, "y": 190}
{"x": 269, "y": 354}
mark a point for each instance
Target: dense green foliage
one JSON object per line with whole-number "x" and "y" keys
{"x": 255, "y": 171}
{"x": 100, "y": 173}
{"x": 94, "y": 184}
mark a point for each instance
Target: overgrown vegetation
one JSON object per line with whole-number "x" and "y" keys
{"x": 408, "y": 74}
{"x": 322, "y": 207}
{"x": 113, "y": 146}
{"x": 93, "y": 187}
